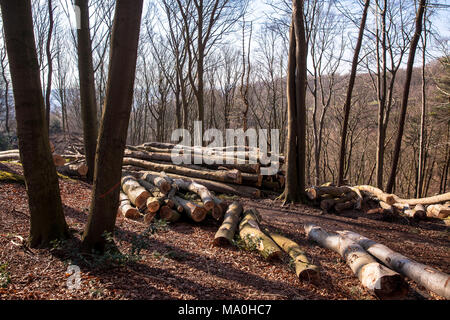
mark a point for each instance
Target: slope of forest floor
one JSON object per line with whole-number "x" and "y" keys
{"x": 179, "y": 261}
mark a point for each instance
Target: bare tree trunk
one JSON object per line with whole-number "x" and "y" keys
{"x": 348, "y": 101}
{"x": 48, "y": 91}
{"x": 47, "y": 217}
{"x": 114, "y": 126}
{"x": 87, "y": 87}
{"x": 409, "y": 70}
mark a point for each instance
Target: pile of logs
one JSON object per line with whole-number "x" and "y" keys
{"x": 333, "y": 199}
{"x": 379, "y": 269}
{"x": 76, "y": 168}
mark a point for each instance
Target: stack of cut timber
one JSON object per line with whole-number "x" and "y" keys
{"x": 231, "y": 166}
{"x": 335, "y": 199}
{"x": 159, "y": 195}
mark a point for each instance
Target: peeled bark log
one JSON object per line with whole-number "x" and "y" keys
{"x": 232, "y": 176}
{"x": 252, "y": 235}
{"x": 430, "y": 278}
{"x": 225, "y": 234}
{"x": 303, "y": 268}
{"x": 195, "y": 212}
{"x": 383, "y": 282}
{"x": 126, "y": 209}
{"x": 10, "y": 157}
{"x": 438, "y": 211}
{"x": 158, "y": 181}
{"x": 73, "y": 170}
{"x": 425, "y": 201}
{"x": 169, "y": 214}
{"x": 137, "y": 194}
{"x": 385, "y": 197}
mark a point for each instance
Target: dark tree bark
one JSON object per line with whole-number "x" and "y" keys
{"x": 348, "y": 101}
{"x": 114, "y": 125}
{"x": 47, "y": 218}
{"x": 296, "y": 93}
{"x": 48, "y": 50}
{"x": 404, "y": 107}
{"x": 87, "y": 87}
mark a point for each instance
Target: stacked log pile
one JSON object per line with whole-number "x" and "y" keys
{"x": 333, "y": 199}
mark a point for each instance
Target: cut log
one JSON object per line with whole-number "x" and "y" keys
{"x": 232, "y": 176}
{"x": 225, "y": 234}
{"x": 432, "y": 279}
{"x": 73, "y": 169}
{"x": 169, "y": 214}
{"x": 10, "y": 157}
{"x": 385, "y": 197}
{"x": 316, "y": 192}
{"x": 200, "y": 190}
{"x": 219, "y": 187}
{"x": 208, "y": 162}
{"x": 438, "y": 211}
{"x": 9, "y": 151}
{"x": 387, "y": 208}
{"x": 137, "y": 194}
{"x": 340, "y": 207}
{"x": 150, "y": 187}
{"x": 417, "y": 213}
{"x": 303, "y": 268}
{"x": 252, "y": 179}
{"x": 149, "y": 217}
{"x": 195, "y": 212}
{"x": 383, "y": 282}
{"x": 154, "y": 204}
{"x": 359, "y": 198}
{"x": 328, "y": 204}
{"x": 126, "y": 209}
{"x": 425, "y": 201}
{"x": 157, "y": 180}
{"x": 252, "y": 236}
{"x": 58, "y": 160}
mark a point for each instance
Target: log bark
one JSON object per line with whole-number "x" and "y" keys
{"x": 126, "y": 209}
{"x": 137, "y": 194}
{"x": 251, "y": 234}
{"x": 200, "y": 190}
{"x": 225, "y": 234}
{"x": 157, "y": 180}
{"x": 425, "y": 201}
{"x": 195, "y": 212}
{"x": 303, "y": 268}
{"x": 340, "y": 207}
{"x": 438, "y": 211}
{"x": 417, "y": 213}
{"x": 219, "y": 187}
{"x": 233, "y": 176}
{"x": 317, "y": 192}
{"x": 73, "y": 170}
{"x": 383, "y": 282}
{"x": 432, "y": 279}
{"x": 385, "y": 197}
{"x": 10, "y": 157}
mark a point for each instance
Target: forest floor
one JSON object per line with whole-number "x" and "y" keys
{"x": 179, "y": 261}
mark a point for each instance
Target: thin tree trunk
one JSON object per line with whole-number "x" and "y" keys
{"x": 44, "y": 200}
{"x": 114, "y": 126}
{"x": 409, "y": 70}
{"x": 87, "y": 87}
{"x": 348, "y": 100}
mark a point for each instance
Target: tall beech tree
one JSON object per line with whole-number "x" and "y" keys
{"x": 296, "y": 95}
{"x": 348, "y": 100}
{"x": 405, "y": 97}
{"x": 114, "y": 124}
{"x": 87, "y": 87}
{"x": 44, "y": 200}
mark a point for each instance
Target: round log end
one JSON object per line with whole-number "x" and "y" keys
{"x": 208, "y": 205}
{"x": 309, "y": 275}
{"x": 141, "y": 200}
{"x": 132, "y": 213}
{"x": 199, "y": 214}
{"x": 221, "y": 242}
{"x": 148, "y": 218}
{"x": 83, "y": 170}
